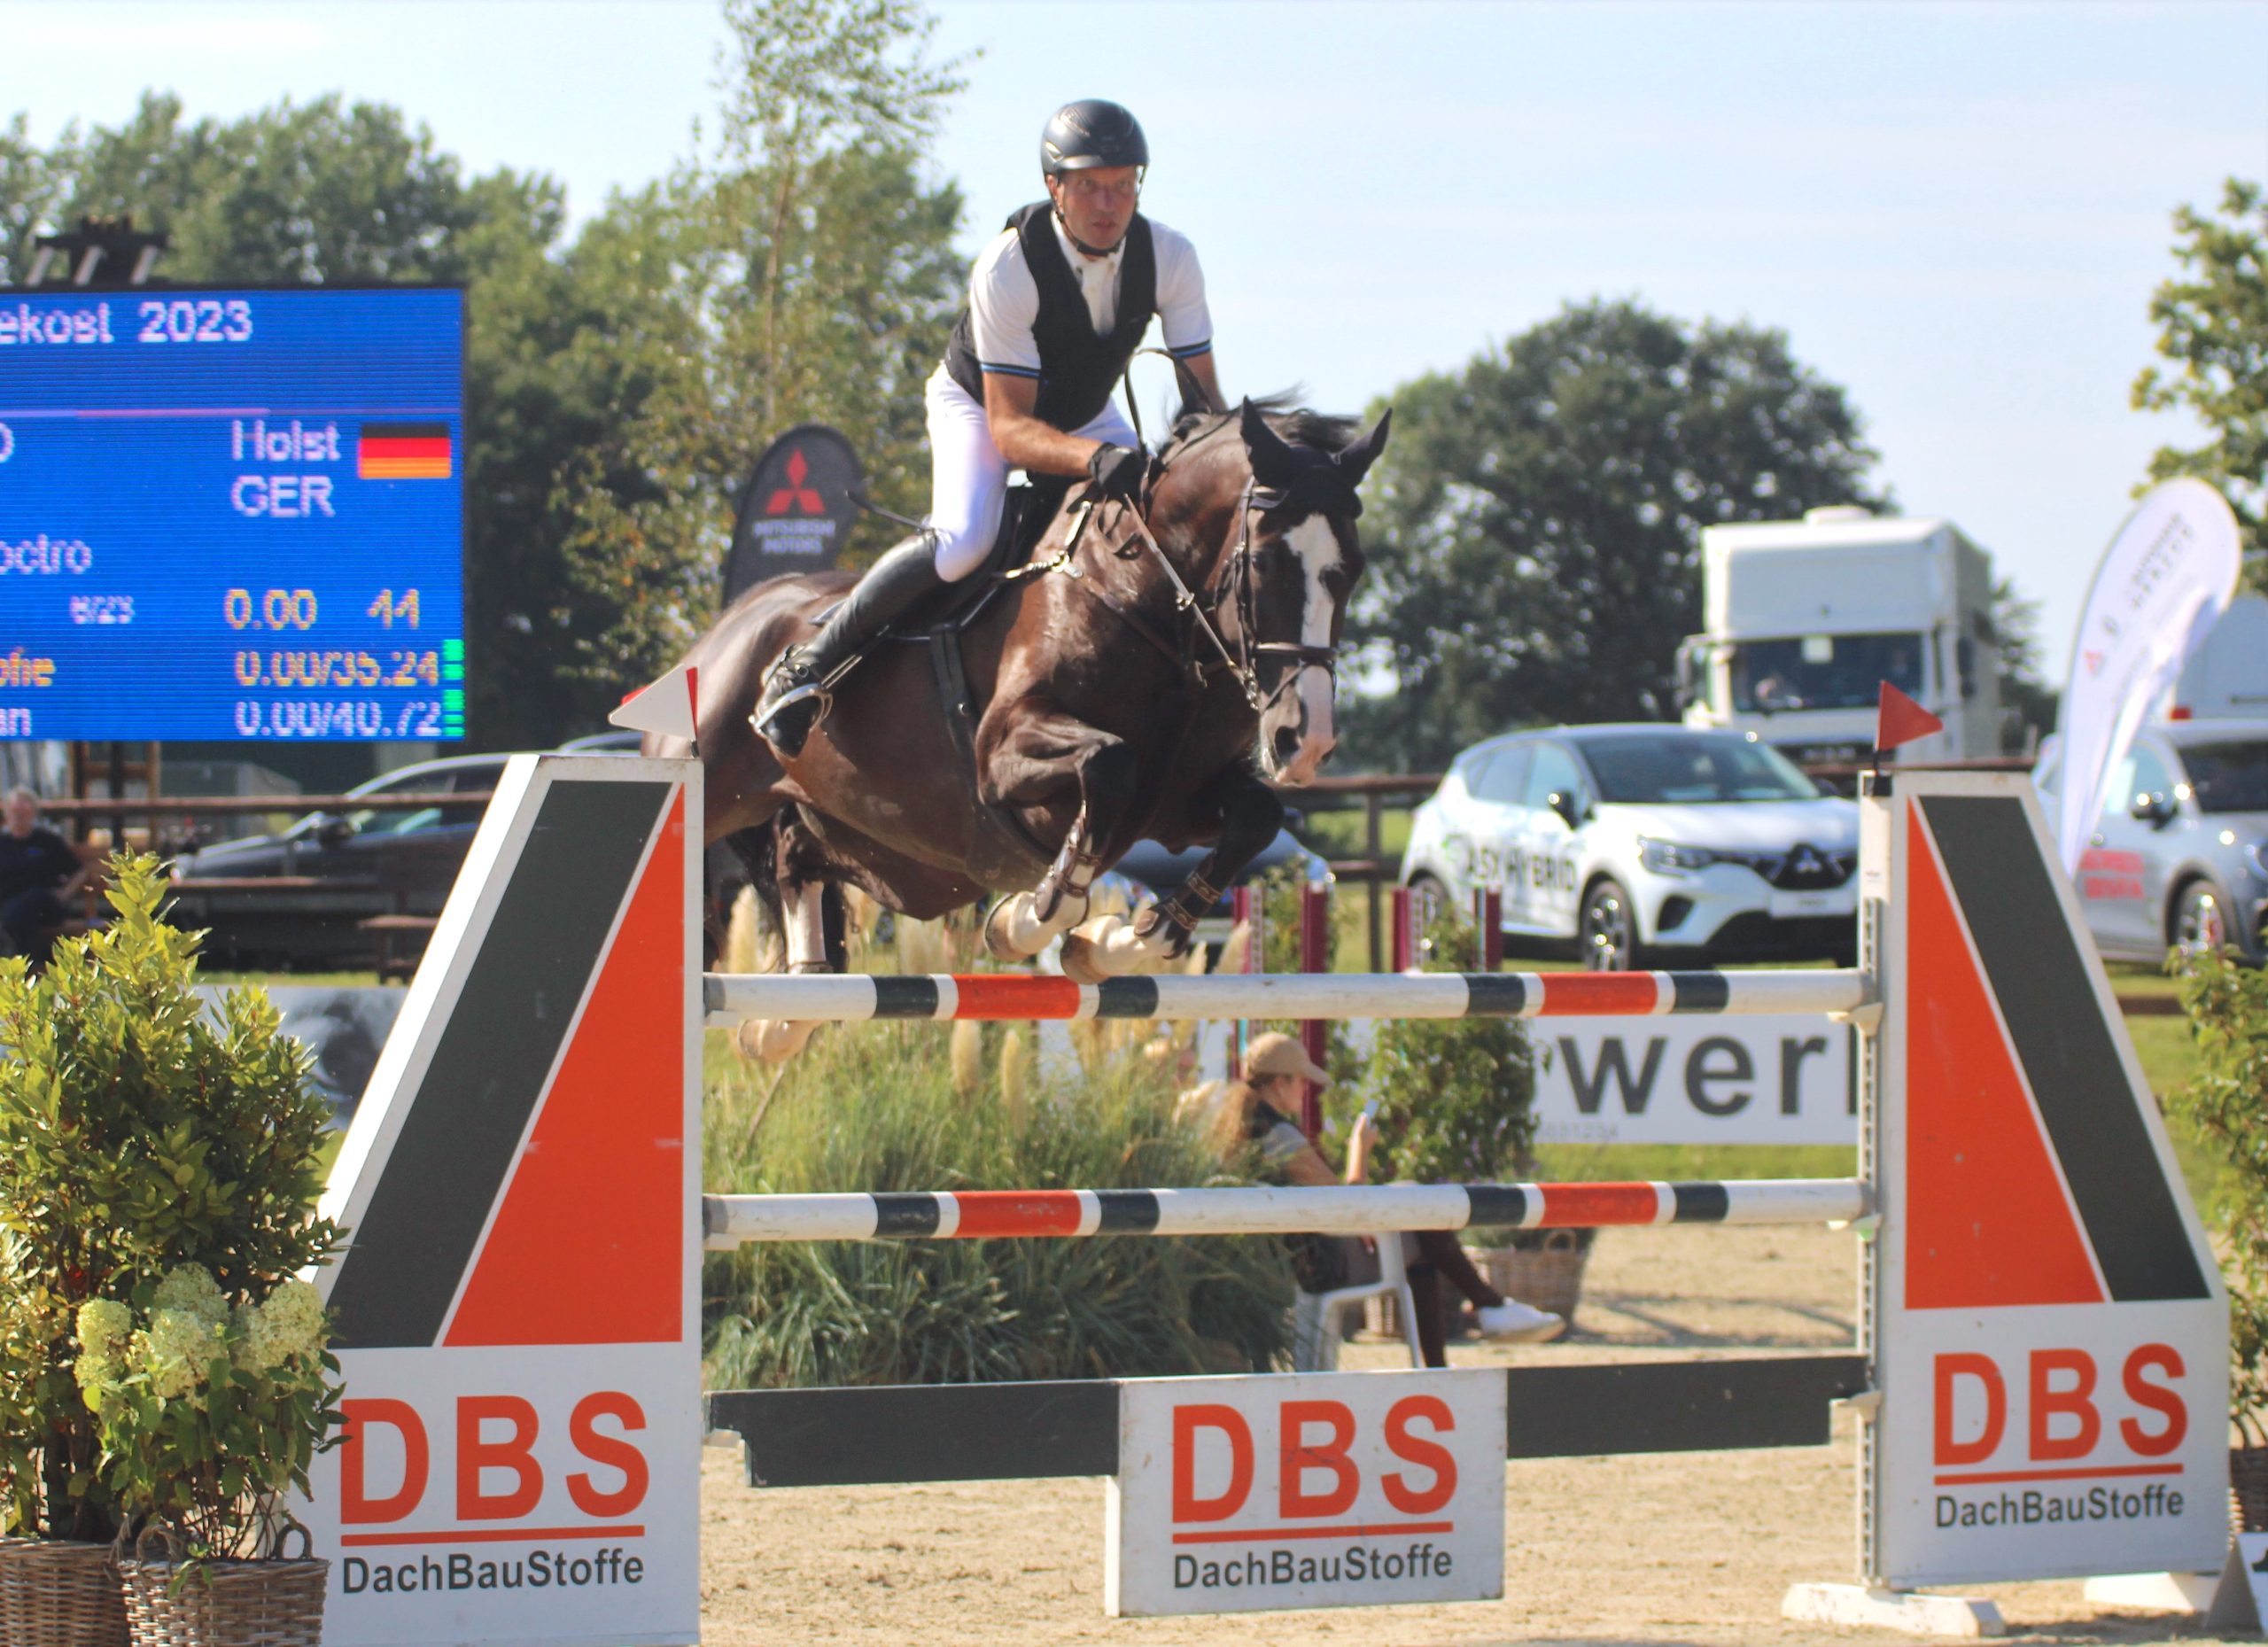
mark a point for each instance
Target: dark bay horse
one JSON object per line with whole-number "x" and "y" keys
{"x": 1117, "y": 688}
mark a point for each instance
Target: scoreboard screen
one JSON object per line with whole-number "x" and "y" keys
{"x": 232, "y": 514}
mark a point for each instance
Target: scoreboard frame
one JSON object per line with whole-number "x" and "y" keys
{"x": 160, "y": 288}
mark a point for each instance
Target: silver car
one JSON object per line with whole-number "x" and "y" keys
{"x": 2181, "y": 853}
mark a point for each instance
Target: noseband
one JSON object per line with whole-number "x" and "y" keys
{"x": 1235, "y": 584}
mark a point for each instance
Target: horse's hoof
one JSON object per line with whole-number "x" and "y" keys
{"x": 1083, "y": 960}
{"x": 773, "y": 1040}
{"x": 997, "y": 942}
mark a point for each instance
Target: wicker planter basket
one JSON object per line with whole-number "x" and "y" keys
{"x": 276, "y": 1603}
{"x": 1548, "y": 1275}
{"x": 2248, "y": 1490}
{"x": 56, "y": 1593}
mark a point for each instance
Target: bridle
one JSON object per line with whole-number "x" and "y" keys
{"x": 1235, "y": 583}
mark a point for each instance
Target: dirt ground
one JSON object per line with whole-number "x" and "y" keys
{"x": 1693, "y": 1548}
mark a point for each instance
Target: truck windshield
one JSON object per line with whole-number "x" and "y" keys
{"x": 1823, "y": 671}
{"x": 2228, "y": 777}
{"x": 1682, "y": 769}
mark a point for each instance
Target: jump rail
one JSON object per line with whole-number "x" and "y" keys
{"x": 729, "y": 998}
{"x": 733, "y": 1221}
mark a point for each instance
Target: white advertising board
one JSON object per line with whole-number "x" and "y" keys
{"x": 517, "y": 1307}
{"x": 1314, "y": 1490}
{"x": 2051, "y": 1332}
{"x": 1696, "y": 1079}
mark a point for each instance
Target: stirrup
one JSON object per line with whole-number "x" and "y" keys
{"x": 788, "y": 724}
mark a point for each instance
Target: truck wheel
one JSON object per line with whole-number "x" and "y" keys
{"x": 1606, "y": 932}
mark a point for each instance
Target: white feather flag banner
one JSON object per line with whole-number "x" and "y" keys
{"x": 2163, "y": 582}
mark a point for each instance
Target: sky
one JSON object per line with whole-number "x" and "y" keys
{"x": 1957, "y": 213}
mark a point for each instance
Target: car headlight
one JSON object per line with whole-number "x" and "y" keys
{"x": 1668, "y": 858}
{"x": 2258, "y": 853}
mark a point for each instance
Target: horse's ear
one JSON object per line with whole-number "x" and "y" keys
{"x": 1356, "y": 461}
{"x": 1274, "y": 464}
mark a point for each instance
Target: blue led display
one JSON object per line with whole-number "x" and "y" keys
{"x": 232, "y": 514}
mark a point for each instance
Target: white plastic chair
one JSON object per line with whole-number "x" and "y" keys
{"x": 1317, "y": 1323}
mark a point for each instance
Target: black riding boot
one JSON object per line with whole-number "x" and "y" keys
{"x": 796, "y": 692}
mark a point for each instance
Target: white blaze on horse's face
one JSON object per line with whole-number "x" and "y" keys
{"x": 1305, "y": 712}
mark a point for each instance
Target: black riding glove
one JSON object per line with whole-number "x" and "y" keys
{"x": 1117, "y": 471}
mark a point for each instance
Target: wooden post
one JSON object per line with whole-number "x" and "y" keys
{"x": 1405, "y": 935}
{"x": 1373, "y": 848}
{"x": 1315, "y": 956}
{"x": 1488, "y": 926}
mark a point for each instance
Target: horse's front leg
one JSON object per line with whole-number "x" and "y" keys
{"x": 803, "y": 919}
{"x": 1030, "y": 766}
{"x": 1250, "y": 814}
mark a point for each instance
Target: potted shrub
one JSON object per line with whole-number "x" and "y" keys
{"x": 1456, "y": 1105}
{"x": 2226, "y": 1106}
{"x": 137, "y": 1135}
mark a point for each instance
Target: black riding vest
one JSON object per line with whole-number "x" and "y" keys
{"x": 1077, "y": 368}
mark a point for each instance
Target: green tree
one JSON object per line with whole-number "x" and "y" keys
{"x": 1537, "y": 523}
{"x": 2213, "y": 321}
{"x": 2027, "y": 700}
{"x": 807, "y": 272}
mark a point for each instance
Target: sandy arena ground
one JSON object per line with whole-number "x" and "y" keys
{"x": 1692, "y": 1548}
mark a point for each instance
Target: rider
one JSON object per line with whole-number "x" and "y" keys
{"x": 1057, "y": 305}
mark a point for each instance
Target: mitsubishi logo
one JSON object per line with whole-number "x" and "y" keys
{"x": 1803, "y": 861}
{"x": 796, "y": 495}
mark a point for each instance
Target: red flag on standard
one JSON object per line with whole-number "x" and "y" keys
{"x": 1899, "y": 719}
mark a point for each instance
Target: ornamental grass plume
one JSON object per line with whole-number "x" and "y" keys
{"x": 139, "y": 1135}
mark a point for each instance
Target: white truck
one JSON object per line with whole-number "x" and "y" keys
{"x": 1806, "y": 618}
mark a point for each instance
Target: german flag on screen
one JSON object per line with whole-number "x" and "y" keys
{"x": 402, "y": 452}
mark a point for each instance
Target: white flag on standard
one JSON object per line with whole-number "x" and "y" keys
{"x": 2165, "y": 579}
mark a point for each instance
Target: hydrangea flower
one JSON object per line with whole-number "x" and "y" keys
{"x": 288, "y": 1326}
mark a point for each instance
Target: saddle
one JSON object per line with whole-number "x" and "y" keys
{"x": 1004, "y": 854}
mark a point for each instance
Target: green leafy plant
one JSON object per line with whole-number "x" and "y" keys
{"x": 2226, "y": 1106}
{"x": 207, "y": 1412}
{"x": 1457, "y": 1096}
{"x": 137, "y": 1135}
{"x": 875, "y": 1107}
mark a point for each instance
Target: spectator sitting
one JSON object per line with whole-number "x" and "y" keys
{"x": 1261, "y": 1108}
{"x": 39, "y": 872}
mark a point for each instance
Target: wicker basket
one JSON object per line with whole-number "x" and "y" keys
{"x": 277, "y": 1603}
{"x": 1547, "y": 1276}
{"x": 59, "y": 1593}
{"x": 2248, "y": 1490}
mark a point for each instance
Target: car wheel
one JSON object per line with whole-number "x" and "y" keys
{"x": 2201, "y": 921}
{"x": 1606, "y": 932}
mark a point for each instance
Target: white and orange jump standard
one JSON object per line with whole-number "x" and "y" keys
{"x": 2042, "y": 1380}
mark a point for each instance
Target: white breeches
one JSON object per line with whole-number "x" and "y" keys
{"x": 968, "y": 478}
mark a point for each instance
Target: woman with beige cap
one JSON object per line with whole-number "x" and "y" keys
{"x": 1260, "y": 1108}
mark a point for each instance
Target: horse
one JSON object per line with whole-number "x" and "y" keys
{"x": 1149, "y": 672}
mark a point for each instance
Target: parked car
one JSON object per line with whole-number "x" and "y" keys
{"x": 1628, "y": 844}
{"x": 2181, "y": 853}
{"x": 337, "y": 869}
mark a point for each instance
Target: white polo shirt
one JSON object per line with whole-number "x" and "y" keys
{"x": 1004, "y": 296}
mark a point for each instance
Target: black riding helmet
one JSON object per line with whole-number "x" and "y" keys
{"x": 1091, "y": 133}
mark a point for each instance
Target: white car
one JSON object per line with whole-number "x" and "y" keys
{"x": 1630, "y": 846}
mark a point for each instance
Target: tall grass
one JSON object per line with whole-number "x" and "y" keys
{"x": 877, "y": 1107}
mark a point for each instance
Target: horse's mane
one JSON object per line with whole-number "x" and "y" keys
{"x": 1302, "y": 425}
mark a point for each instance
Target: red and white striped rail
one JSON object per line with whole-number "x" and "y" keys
{"x": 733, "y": 1221}
{"x": 729, "y": 998}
